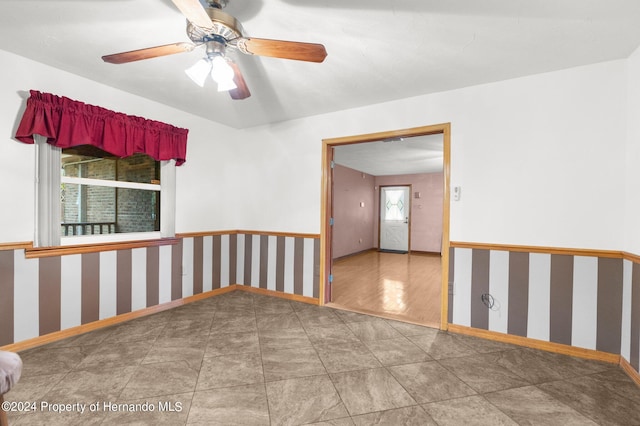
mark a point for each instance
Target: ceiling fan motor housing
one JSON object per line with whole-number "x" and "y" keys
{"x": 219, "y": 4}
{"x": 223, "y": 25}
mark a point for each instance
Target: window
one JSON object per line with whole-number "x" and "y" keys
{"x": 103, "y": 194}
{"x": 86, "y": 195}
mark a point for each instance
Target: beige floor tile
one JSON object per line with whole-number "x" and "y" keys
{"x": 429, "y": 381}
{"x": 529, "y": 405}
{"x": 233, "y": 324}
{"x": 483, "y": 373}
{"x": 407, "y": 329}
{"x": 346, "y": 357}
{"x": 373, "y": 330}
{"x": 270, "y": 305}
{"x": 230, "y": 370}
{"x": 304, "y": 400}
{"x": 349, "y": 317}
{"x": 397, "y": 351}
{"x": 91, "y": 385}
{"x": 278, "y": 321}
{"x": 164, "y": 378}
{"x": 189, "y": 355}
{"x": 54, "y": 418}
{"x": 45, "y": 360}
{"x": 408, "y": 416}
{"x": 232, "y": 343}
{"x": 318, "y": 318}
{"x": 241, "y": 405}
{"x": 284, "y": 339}
{"x": 468, "y": 411}
{"x": 289, "y": 363}
{"x": 113, "y": 355}
{"x": 135, "y": 332}
{"x": 332, "y": 334}
{"x": 33, "y": 388}
{"x": 179, "y": 328}
{"x": 336, "y": 422}
{"x": 365, "y": 391}
{"x": 594, "y": 397}
{"x": 442, "y": 345}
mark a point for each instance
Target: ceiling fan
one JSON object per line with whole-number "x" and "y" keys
{"x": 217, "y": 30}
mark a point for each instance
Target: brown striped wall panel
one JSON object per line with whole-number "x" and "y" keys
{"x": 6, "y": 296}
{"x": 584, "y": 301}
{"x": 588, "y": 302}
{"x": 49, "y": 294}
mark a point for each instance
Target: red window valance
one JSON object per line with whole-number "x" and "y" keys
{"x": 66, "y": 123}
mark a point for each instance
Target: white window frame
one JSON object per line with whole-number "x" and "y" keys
{"x": 48, "y": 181}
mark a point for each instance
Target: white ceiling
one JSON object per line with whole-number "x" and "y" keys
{"x": 378, "y": 50}
{"x": 399, "y": 156}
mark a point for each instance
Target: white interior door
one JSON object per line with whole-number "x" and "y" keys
{"x": 394, "y": 218}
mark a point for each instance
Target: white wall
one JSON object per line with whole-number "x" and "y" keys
{"x": 632, "y": 178}
{"x": 199, "y": 191}
{"x": 16, "y": 159}
{"x": 540, "y": 158}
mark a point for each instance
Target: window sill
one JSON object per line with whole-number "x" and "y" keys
{"x": 81, "y": 240}
{"x": 35, "y": 252}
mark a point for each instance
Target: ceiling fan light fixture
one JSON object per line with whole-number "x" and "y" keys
{"x": 223, "y": 74}
{"x": 225, "y": 86}
{"x": 199, "y": 71}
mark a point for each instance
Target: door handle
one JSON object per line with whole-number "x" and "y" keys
{"x": 406, "y": 220}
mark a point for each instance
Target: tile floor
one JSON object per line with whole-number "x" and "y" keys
{"x": 245, "y": 359}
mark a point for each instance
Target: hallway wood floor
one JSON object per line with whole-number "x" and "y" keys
{"x": 405, "y": 287}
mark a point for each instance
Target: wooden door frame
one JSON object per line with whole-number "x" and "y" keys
{"x": 379, "y": 213}
{"x": 326, "y": 194}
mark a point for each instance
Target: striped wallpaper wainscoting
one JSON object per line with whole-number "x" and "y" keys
{"x": 48, "y": 294}
{"x": 586, "y": 301}
{"x": 281, "y": 263}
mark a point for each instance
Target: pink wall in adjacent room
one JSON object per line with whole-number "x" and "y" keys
{"x": 352, "y": 223}
{"x": 426, "y": 211}
{"x": 356, "y": 228}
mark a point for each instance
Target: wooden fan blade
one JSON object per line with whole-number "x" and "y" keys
{"x": 194, "y": 12}
{"x": 150, "y": 52}
{"x": 310, "y": 52}
{"x": 241, "y": 91}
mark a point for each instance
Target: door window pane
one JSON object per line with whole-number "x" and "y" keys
{"x": 394, "y": 205}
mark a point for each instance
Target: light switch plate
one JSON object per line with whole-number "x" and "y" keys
{"x": 457, "y": 190}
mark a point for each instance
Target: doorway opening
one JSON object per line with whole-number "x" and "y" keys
{"x": 364, "y": 263}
